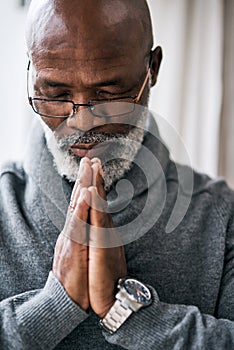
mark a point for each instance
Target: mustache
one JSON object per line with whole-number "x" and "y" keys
{"x": 89, "y": 137}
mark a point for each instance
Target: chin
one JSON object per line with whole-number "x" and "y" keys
{"x": 116, "y": 161}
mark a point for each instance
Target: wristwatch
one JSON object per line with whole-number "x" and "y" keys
{"x": 132, "y": 296}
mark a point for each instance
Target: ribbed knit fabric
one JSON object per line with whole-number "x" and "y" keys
{"x": 36, "y": 315}
{"x": 189, "y": 268}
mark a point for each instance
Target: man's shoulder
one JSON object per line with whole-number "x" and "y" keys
{"x": 201, "y": 186}
{"x": 215, "y": 192}
{"x": 12, "y": 169}
{"x": 199, "y": 181}
{"x": 12, "y": 187}
{"x": 215, "y": 186}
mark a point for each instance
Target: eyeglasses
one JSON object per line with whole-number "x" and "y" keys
{"x": 113, "y": 107}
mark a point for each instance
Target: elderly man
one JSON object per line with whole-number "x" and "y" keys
{"x": 104, "y": 272}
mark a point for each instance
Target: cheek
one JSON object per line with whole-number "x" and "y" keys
{"x": 53, "y": 124}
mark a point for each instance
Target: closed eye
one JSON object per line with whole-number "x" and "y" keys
{"x": 108, "y": 94}
{"x": 54, "y": 95}
{"x": 63, "y": 96}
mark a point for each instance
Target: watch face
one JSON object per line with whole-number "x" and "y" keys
{"x": 137, "y": 290}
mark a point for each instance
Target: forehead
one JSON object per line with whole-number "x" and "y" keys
{"x": 88, "y": 64}
{"x": 83, "y": 45}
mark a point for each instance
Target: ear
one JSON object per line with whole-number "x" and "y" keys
{"x": 156, "y": 59}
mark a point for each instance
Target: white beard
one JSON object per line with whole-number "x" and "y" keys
{"x": 119, "y": 158}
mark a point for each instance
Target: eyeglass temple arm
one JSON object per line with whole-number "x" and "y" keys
{"x": 29, "y": 98}
{"x": 137, "y": 99}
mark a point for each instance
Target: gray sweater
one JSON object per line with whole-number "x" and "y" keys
{"x": 182, "y": 247}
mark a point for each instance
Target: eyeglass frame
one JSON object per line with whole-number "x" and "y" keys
{"x": 135, "y": 99}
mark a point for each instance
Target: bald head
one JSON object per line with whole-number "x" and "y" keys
{"x": 71, "y": 23}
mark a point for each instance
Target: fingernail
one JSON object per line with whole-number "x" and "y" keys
{"x": 85, "y": 159}
{"x": 96, "y": 160}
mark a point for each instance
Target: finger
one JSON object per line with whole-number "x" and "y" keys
{"x": 84, "y": 180}
{"x": 85, "y": 172}
{"x": 98, "y": 180}
{"x": 76, "y": 224}
{"x": 100, "y": 234}
{"x": 70, "y": 263}
{"x": 83, "y": 204}
{"x": 98, "y": 206}
{"x": 98, "y": 161}
{"x": 84, "y": 161}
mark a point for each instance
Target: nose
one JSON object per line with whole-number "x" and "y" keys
{"x": 84, "y": 120}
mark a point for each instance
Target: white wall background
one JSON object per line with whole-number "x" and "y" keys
{"x": 188, "y": 93}
{"x": 13, "y": 62}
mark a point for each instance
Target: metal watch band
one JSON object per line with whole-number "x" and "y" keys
{"x": 116, "y": 316}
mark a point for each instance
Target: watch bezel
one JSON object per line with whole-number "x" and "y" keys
{"x": 122, "y": 285}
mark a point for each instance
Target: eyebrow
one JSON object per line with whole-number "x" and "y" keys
{"x": 112, "y": 82}
{"x": 57, "y": 84}
{"x": 52, "y": 83}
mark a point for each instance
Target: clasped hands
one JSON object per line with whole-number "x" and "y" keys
{"x": 86, "y": 269}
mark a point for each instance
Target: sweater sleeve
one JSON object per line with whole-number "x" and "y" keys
{"x": 164, "y": 326}
{"x": 38, "y": 319}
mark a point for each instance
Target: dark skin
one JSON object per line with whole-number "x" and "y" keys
{"x": 80, "y": 57}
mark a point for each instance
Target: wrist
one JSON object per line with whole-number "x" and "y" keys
{"x": 104, "y": 313}
{"x": 131, "y": 297}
